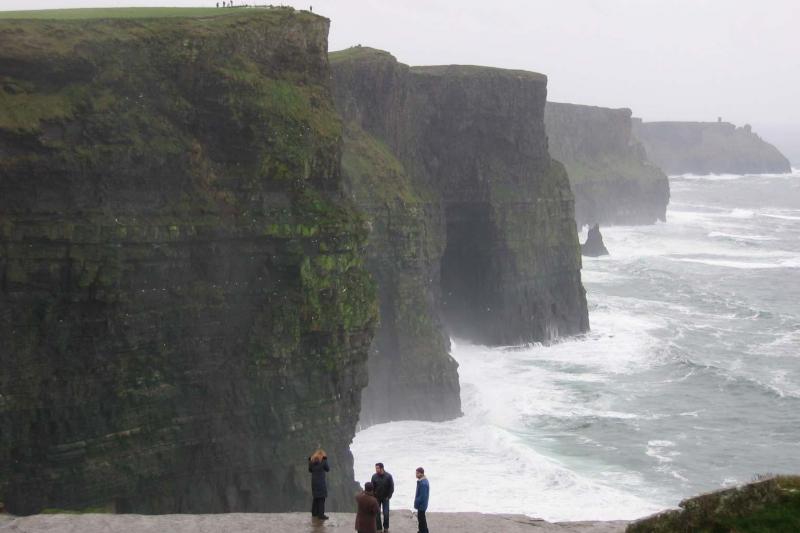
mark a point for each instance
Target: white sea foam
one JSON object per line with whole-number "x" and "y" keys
{"x": 708, "y": 177}
{"x": 780, "y": 217}
{"x": 475, "y": 459}
{"x": 793, "y": 262}
{"x": 732, "y": 177}
{"x": 719, "y": 234}
{"x": 573, "y": 429}
{"x": 473, "y": 467}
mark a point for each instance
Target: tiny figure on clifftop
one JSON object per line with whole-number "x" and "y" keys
{"x": 384, "y": 488}
{"x": 421, "y": 500}
{"x": 318, "y": 466}
{"x": 368, "y": 510}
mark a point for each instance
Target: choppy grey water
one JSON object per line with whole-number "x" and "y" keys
{"x": 689, "y": 379}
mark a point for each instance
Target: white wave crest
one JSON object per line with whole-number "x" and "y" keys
{"x": 733, "y": 236}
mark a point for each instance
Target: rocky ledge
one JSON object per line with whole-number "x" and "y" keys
{"x": 299, "y": 522}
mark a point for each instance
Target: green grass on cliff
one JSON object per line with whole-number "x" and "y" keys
{"x": 357, "y": 53}
{"x": 124, "y": 13}
{"x": 771, "y": 505}
{"x": 374, "y": 174}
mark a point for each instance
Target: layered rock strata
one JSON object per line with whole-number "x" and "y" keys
{"x": 708, "y": 148}
{"x": 184, "y": 311}
{"x": 609, "y": 173}
{"x": 492, "y": 247}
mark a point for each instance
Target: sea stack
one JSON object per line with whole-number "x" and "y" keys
{"x": 594, "y": 246}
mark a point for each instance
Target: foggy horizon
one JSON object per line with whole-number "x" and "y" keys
{"x": 685, "y": 60}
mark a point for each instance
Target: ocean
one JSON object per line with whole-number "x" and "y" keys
{"x": 688, "y": 381}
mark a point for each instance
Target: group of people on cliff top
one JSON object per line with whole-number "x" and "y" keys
{"x": 373, "y": 501}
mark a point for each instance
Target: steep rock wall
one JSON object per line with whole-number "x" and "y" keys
{"x": 708, "y": 148}
{"x": 184, "y": 311}
{"x": 499, "y": 244}
{"x": 608, "y": 170}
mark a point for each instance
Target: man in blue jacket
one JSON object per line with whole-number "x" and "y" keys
{"x": 421, "y": 499}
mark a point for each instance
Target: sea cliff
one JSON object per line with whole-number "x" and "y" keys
{"x": 482, "y": 216}
{"x": 184, "y": 309}
{"x": 708, "y": 148}
{"x": 609, "y": 173}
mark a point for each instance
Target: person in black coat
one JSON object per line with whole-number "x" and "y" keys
{"x": 384, "y": 488}
{"x": 318, "y": 465}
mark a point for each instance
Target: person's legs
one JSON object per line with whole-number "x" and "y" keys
{"x": 314, "y": 507}
{"x": 422, "y": 522}
{"x": 322, "y": 508}
{"x": 385, "y": 506}
{"x": 378, "y": 523}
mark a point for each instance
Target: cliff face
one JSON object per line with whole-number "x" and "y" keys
{"x": 487, "y": 219}
{"x": 609, "y": 173}
{"x": 184, "y": 313}
{"x": 708, "y": 148}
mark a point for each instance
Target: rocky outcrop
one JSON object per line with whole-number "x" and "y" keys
{"x": 771, "y": 504}
{"x": 184, "y": 311}
{"x": 482, "y": 214}
{"x": 285, "y": 522}
{"x": 708, "y": 148}
{"x": 594, "y": 246}
{"x": 609, "y": 173}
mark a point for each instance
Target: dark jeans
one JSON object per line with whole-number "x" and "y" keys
{"x": 422, "y": 521}
{"x": 318, "y": 507}
{"x": 382, "y": 505}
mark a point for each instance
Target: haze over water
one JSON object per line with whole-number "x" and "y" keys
{"x": 689, "y": 379}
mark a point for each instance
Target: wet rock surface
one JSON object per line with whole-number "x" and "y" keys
{"x": 401, "y": 522}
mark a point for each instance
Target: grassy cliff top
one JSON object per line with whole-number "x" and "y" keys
{"x": 359, "y": 53}
{"x": 473, "y": 71}
{"x": 595, "y": 108}
{"x": 140, "y": 13}
{"x": 365, "y": 53}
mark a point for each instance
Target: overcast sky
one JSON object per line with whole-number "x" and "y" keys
{"x": 665, "y": 59}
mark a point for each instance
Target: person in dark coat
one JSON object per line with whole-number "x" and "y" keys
{"x": 384, "y": 488}
{"x": 367, "y": 510}
{"x": 318, "y": 465}
{"x": 421, "y": 499}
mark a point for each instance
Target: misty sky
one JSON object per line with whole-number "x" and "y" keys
{"x": 665, "y": 59}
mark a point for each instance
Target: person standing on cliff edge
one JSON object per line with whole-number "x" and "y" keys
{"x": 421, "y": 500}
{"x": 383, "y": 483}
{"x": 318, "y": 465}
{"x": 367, "y": 510}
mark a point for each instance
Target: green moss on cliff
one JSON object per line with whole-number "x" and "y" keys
{"x": 358, "y": 53}
{"x": 120, "y": 13}
{"x": 767, "y": 506}
{"x": 187, "y": 283}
